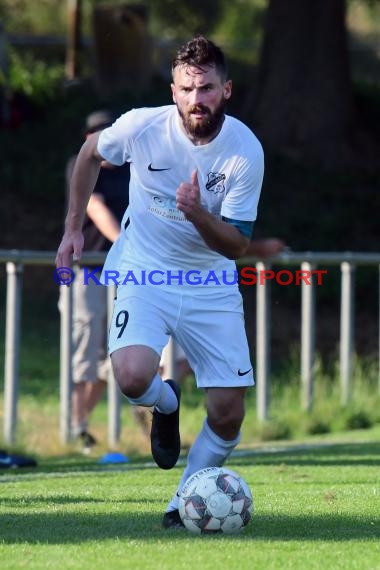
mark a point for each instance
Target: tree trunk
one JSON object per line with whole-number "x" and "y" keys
{"x": 303, "y": 96}
{"x": 74, "y": 39}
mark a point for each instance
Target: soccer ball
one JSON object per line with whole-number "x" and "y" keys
{"x": 215, "y": 500}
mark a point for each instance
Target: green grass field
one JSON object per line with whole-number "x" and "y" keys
{"x": 317, "y": 496}
{"x": 316, "y": 506}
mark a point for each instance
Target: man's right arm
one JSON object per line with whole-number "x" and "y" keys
{"x": 83, "y": 180}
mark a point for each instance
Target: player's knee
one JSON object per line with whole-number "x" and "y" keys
{"x": 134, "y": 368}
{"x": 132, "y": 379}
{"x": 131, "y": 385}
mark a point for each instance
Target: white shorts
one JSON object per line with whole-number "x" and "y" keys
{"x": 179, "y": 354}
{"x": 210, "y": 329}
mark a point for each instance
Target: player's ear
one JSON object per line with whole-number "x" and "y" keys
{"x": 173, "y": 92}
{"x": 228, "y": 89}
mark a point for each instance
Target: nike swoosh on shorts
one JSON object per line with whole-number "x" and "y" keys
{"x": 244, "y": 373}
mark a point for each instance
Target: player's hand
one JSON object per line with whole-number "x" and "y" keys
{"x": 70, "y": 249}
{"x": 188, "y": 197}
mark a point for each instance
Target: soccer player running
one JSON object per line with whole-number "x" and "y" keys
{"x": 196, "y": 176}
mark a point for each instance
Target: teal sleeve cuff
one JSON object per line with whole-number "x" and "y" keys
{"x": 245, "y": 228}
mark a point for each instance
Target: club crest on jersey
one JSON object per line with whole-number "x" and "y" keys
{"x": 215, "y": 182}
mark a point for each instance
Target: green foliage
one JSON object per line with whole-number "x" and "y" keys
{"x": 273, "y": 430}
{"x": 34, "y": 16}
{"x": 316, "y": 425}
{"x": 358, "y": 420}
{"x": 179, "y": 19}
{"x": 34, "y": 78}
{"x": 241, "y": 23}
{"x": 237, "y": 26}
{"x": 45, "y": 17}
{"x": 287, "y": 420}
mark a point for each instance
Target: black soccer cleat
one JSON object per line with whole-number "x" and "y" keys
{"x": 164, "y": 435}
{"x": 87, "y": 439}
{"x": 172, "y": 519}
{"x": 88, "y": 442}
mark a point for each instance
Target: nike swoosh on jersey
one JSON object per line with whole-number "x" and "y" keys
{"x": 150, "y": 167}
{"x": 244, "y": 373}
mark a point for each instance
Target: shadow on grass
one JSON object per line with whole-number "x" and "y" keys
{"x": 64, "y": 528}
{"x": 63, "y": 500}
{"x": 323, "y": 455}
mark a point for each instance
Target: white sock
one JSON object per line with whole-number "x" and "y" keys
{"x": 158, "y": 394}
{"x": 167, "y": 402}
{"x": 208, "y": 450}
{"x": 78, "y": 429}
{"x": 150, "y": 397}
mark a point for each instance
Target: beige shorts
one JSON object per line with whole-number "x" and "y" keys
{"x": 89, "y": 333}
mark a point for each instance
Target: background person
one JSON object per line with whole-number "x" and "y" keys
{"x": 101, "y": 228}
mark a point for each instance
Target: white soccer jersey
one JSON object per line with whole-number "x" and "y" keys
{"x": 156, "y": 237}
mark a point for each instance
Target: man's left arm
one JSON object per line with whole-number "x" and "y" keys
{"x": 219, "y": 235}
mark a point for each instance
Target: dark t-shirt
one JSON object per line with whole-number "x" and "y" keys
{"x": 113, "y": 186}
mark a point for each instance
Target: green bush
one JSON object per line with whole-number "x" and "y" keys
{"x": 274, "y": 430}
{"x": 315, "y": 426}
{"x": 35, "y": 78}
{"x": 358, "y": 420}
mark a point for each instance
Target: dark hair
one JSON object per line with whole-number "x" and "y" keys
{"x": 201, "y": 52}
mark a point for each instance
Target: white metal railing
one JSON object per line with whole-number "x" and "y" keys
{"x": 15, "y": 260}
